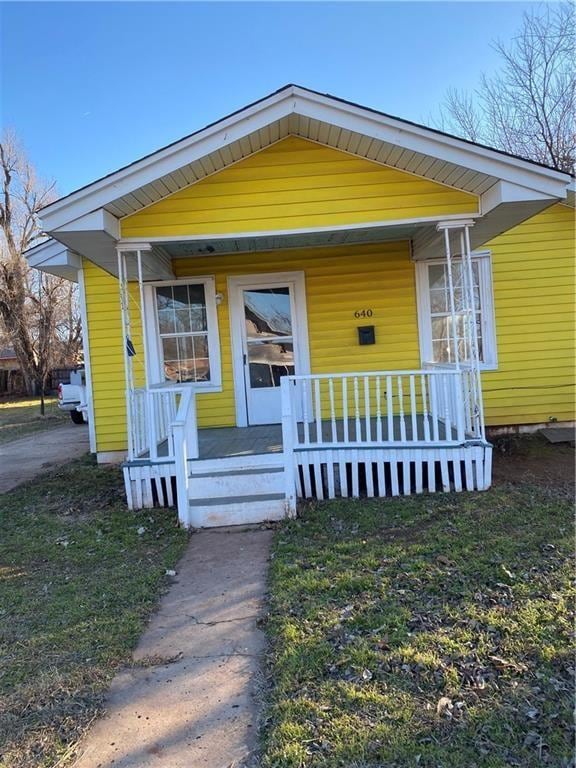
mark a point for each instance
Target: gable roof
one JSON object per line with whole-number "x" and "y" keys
{"x": 284, "y": 88}
{"x": 294, "y": 110}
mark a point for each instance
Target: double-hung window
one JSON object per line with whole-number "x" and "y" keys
{"x": 187, "y": 332}
{"x": 435, "y": 315}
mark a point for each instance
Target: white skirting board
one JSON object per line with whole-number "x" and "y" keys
{"x": 150, "y": 485}
{"x": 347, "y": 473}
{"x": 380, "y": 472}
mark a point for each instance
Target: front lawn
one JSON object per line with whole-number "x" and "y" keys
{"x": 21, "y": 417}
{"x": 432, "y": 632}
{"x": 79, "y": 575}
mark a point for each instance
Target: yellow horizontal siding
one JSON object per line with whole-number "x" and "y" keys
{"x": 534, "y": 288}
{"x": 296, "y": 184}
{"x": 533, "y": 277}
{"x": 339, "y": 281}
{"x": 107, "y": 354}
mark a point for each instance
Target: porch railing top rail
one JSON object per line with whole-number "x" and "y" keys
{"x": 360, "y": 374}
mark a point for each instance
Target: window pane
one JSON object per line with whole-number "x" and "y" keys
{"x": 267, "y": 312}
{"x": 201, "y": 357}
{"x": 438, "y": 300}
{"x": 437, "y": 276}
{"x": 180, "y": 296}
{"x": 166, "y": 321}
{"x": 164, "y": 298}
{"x": 181, "y": 308}
{"x": 186, "y": 356}
{"x": 269, "y": 362}
{"x": 439, "y": 327}
{"x": 197, "y": 299}
{"x": 441, "y": 351}
{"x": 182, "y": 320}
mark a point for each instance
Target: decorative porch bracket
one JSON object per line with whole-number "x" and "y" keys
{"x": 465, "y": 347}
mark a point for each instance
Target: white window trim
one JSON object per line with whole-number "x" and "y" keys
{"x": 155, "y": 364}
{"x": 484, "y": 261}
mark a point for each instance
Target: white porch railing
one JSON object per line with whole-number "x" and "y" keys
{"x": 395, "y": 408}
{"x": 154, "y": 413}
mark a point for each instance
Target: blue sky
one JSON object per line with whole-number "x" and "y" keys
{"x": 89, "y": 87}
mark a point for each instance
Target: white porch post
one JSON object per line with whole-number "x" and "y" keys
{"x": 468, "y": 314}
{"x": 123, "y": 253}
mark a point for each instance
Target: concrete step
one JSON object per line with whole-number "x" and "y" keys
{"x": 232, "y": 482}
{"x": 236, "y": 510}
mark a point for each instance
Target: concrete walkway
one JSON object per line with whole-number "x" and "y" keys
{"x": 23, "y": 459}
{"x": 190, "y": 701}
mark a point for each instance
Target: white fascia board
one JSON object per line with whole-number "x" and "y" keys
{"x": 297, "y": 101}
{"x": 428, "y": 142}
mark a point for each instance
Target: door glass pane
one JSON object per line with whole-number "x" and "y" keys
{"x": 267, "y": 312}
{"x": 268, "y": 362}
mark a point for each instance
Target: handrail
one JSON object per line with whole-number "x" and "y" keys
{"x": 185, "y": 446}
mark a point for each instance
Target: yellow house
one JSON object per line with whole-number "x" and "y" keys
{"x": 309, "y": 298}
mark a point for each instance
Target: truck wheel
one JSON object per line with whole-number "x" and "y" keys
{"x": 77, "y": 417}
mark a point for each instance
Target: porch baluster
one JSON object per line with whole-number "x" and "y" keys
{"x": 378, "y": 411}
{"x": 318, "y": 411}
{"x": 389, "y": 409}
{"x": 305, "y": 422}
{"x": 401, "y": 410}
{"x": 367, "y": 415}
{"x": 332, "y": 411}
{"x": 413, "y": 413}
{"x": 357, "y": 425}
{"x": 345, "y": 424}
{"x": 425, "y": 420}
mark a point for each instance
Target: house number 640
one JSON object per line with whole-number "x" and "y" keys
{"x": 363, "y": 313}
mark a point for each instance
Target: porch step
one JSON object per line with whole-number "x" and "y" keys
{"x": 226, "y": 483}
{"x": 236, "y": 510}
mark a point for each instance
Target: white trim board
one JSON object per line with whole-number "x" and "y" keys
{"x": 489, "y": 338}
{"x": 299, "y": 325}
{"x": 87, "y": 362}
{"x": 126, "y": 242}
{"x": 154, "y": 365}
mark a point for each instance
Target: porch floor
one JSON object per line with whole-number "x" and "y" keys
{"x": 227, "y": 442}
{"x": 224, "y": 442}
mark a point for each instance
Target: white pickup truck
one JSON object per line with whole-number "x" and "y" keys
{"x": 72, "y": 397}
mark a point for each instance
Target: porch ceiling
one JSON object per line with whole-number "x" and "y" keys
{"x": 178, "y": 249}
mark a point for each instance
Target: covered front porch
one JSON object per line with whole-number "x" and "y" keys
{"x": 366, "y": 432}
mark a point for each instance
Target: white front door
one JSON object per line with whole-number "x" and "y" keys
{"x": 268, "y": 321}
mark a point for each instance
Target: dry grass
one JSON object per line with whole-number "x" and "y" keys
{"x": 21, "y": 417}
{"x": 77, "y": 583}
{"x": 433, "y": 632}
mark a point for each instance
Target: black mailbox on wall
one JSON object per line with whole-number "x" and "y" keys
{"x": 366, "y": 334}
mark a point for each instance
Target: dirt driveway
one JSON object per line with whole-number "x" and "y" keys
{"x": 22, "y": 460}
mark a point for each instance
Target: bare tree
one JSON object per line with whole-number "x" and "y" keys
{"x": 527, "y": 107}
{"x": 38, "y": 312}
